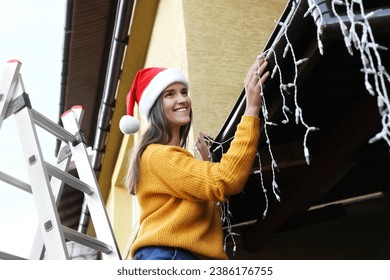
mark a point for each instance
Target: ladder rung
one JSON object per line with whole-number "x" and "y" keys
{"x": 78, "y": 237}
{"x": 69, "y": 179}
{"x": 15, "y": 182}
{"x": 53, "y": 128}
{"x": 6, "y": 256}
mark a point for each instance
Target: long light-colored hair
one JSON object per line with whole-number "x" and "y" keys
{"x": 158, "y": 132}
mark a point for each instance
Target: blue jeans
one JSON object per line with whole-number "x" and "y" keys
{"x": 163, "y": 253}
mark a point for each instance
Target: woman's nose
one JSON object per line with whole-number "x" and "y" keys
{"x": 181, "y": 98}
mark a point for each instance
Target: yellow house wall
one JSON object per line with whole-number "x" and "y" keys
{"x": 223, "y": 38}
{"x": 213, "y": 43}
{"x": 168, "y": 41}
{"x": 120, "y": 203}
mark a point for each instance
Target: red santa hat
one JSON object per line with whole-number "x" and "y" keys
{"x": 147, "y": 86}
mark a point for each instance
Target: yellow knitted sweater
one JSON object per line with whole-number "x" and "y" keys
{"x": 178, "y": 193}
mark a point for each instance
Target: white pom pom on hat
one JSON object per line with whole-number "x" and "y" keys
{"x": 147, "y": 86}
{"x": 128, "y": 124}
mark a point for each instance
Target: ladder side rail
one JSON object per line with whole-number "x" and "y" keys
{"x": 38, "y": 248}
{"x": 101, "y": 221}
{"x": 95, "y": 203}
{"x": 63, "y": 163}
{"x": 49, "y": 222}
{"x": 7, "y": 86}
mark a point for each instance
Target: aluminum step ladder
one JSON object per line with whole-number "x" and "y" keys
{"x": 47, "y": 181}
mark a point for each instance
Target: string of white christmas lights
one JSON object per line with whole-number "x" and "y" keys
{"x": 364, "y": 43}
{"x": 262, "y": 186}
{"x": 313, "y": 6}
{"x": 267, "y": 123}
{"x": 224, "y": 206}
{"x": 225, "y": 219}
{"x": 284, "y": 88}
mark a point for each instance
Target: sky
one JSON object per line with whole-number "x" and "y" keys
{"x": 33, "y": 33}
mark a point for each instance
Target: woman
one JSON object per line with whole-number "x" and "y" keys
{"x": 177, "y": 193}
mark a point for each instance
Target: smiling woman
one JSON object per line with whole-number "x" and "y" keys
{"x": 32, "y": 32}
{"x": 180, "y": 195}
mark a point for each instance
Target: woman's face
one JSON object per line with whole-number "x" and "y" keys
{"x": 176, "y": 105}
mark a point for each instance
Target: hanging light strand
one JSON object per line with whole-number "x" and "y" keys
{"x": 359, "y": 37}
{"x": 291, "y": 86}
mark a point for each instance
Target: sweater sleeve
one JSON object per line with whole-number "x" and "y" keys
{"x": 176, "y": 172}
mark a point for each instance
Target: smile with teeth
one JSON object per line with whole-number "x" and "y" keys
{"x": 180, "y": 110}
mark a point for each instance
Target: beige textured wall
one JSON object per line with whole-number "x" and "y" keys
{"x": 223, "y": 39}
{"x": 214, "y": 43}
{"x": 168, "y": 41}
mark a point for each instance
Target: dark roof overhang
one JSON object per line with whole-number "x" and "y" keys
{"x": 331, "y": 92}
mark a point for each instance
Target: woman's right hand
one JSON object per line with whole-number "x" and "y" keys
{"x": 253, "y": 88}
{"x": 202, "y": 145}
